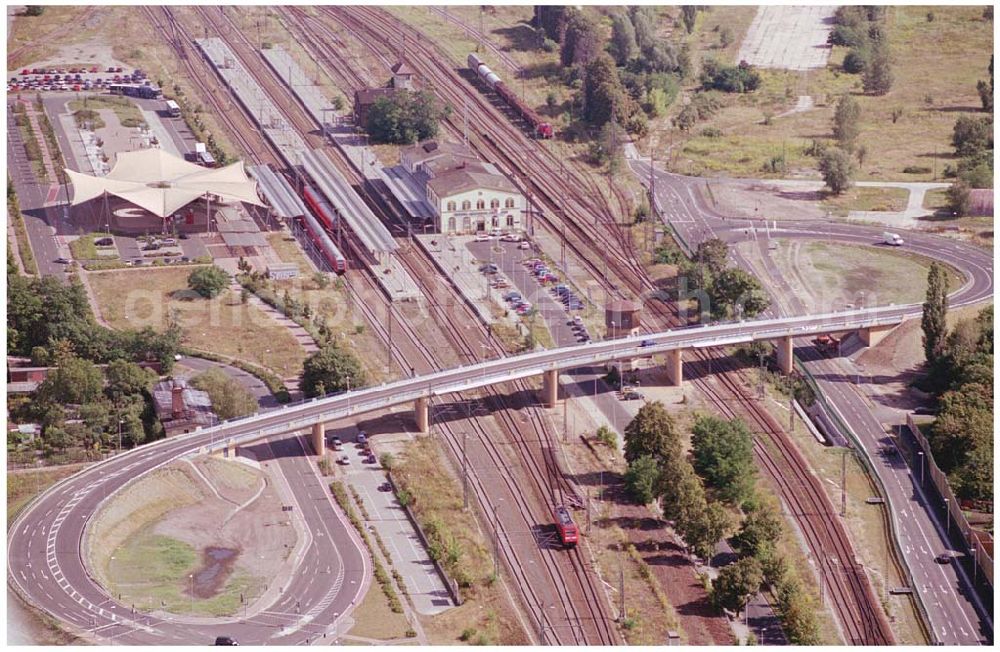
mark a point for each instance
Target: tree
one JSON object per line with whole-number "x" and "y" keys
{"x": 552, "y": 19}
{"x": 74, "y": 381}
{"x": 723, "y": 455}
{"x": 878, "y": 78}
{"x": 742, "y": 78}
{"x": 959, "y": 198}
{"x": 934, "y": 319}
{"x": 713, "y": 253}
{"x": 125, "y": 378}
{"x": 336, "y": 368}
{"x": 798, "y": 614}
{"x": 689, "y": 15}
{"x": 985, "y": 90}
{"x": 846, "y": 121}
{"x": 34, "y": 10}
{"x": 855, "y": 60}
{"x": 657, "y": 103}
{"x": 603, "y": 92}
{"x": 643, "y": 19}
{"x": 837, "y": 168}
{"x": 623, "y": 46}
{"x": 582, "y": 41}
{"x": 229, "y": 398}
{"x": 208, "y": 281}
{"x": 642, "y": 479}
{"x": 972, "y": 135}
{"x": 761, "y": 529}
{"x": 405, "y": 117}
{"x": 651, "y": 432}
{"x": 708, "y": 526}
{"x": 687, "y": 118}
{"x": 737, "y": 292}
{"x": 737, "y": 582}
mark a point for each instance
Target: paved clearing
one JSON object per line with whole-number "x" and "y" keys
{"x": 793, "y": 38}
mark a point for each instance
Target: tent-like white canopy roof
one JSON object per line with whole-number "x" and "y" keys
{"x": 162, "y": 183}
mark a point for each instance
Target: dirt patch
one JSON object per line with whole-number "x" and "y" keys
{"x": 216, "y": 567}
{"x": 762, "y": 200}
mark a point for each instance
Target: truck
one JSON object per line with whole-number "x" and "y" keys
{"x": 891, "y": 238}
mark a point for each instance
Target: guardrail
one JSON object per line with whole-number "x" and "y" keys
{"x": 981, "y": 557}
{"x": 897, "y": 549}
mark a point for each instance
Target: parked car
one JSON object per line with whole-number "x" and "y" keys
{"x": 225, "y": 640}
{"x": 104, "y": 242}
{"x": 62, "y": 261}
{"x": 344, "y": 460}
{"x": 524, "y": 245}
{"x": 482, "y": 237}
{"x": 168, "y": 241}
{"x": 362, "y": 438}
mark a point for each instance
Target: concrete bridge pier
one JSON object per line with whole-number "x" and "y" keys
{"x": 875, "y": 334}
{"x": 675, "y": 367}
{"x": 550, "y": 388}
{"x": 785, "y": 358}
{"x": 319, "y": 438}
{"x": 230, "y": 451}
{"x": 422, "y": 415}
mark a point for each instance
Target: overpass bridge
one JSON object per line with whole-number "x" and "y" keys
{"x": 871, "y": 325}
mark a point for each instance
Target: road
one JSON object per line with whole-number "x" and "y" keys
{"x": 45, "y": 564}
{"x": 956, "y": 612}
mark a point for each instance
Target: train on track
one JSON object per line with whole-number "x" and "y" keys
{"x": 539, "y": 128}
{"x": 569, "y": 534}
{"x": 319, "y": 230}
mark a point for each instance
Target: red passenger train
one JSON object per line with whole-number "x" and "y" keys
{"x": 569, "y": 535}
{"x": 318, "y": 229}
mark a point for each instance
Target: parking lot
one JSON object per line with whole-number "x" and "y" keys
{"x": 73, "y": 79}
{"x": 536, "y": 287}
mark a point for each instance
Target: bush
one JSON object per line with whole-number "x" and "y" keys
{"x": 208, "y": 281}
{"x": 855, "y": 61}
{"x": 916, "y": 169}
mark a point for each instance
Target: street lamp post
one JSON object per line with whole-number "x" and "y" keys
{"x": 947, "y": 518}
{"x": 921, "y": 455}
{"x": 120, "y": 422}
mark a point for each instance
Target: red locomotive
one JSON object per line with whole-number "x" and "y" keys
{"x": 569, "y": 535}
{"x": 539, "y": 127}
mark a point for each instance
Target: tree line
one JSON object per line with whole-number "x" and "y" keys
{"x": 712, "y": 496}
{"x": 960, "y": 378}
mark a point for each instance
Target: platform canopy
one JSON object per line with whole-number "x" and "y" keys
{"x": 162, "y": 183}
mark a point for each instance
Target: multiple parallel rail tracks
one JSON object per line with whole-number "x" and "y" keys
{"x": 587, "y": 220}
{"x": 587, "y": 215}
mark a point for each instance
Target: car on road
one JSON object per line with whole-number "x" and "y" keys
{"x": 385, "y": 486}
{"x": 944, "y": 558}
{"x": 362, "y": 438}
{"x": 104, "y": 242}
{"x": 62, "y": 261}
{"x": 524, "y": 245}
{"x": 225, "y": 640}
{"x": 646, "y": 343}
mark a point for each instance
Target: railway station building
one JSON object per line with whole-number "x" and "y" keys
{"x": 467, "y": 195}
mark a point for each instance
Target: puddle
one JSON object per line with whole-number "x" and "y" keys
{"x": 217, "y": 564}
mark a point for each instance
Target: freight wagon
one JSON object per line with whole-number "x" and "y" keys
{"x": 539, "y": 128}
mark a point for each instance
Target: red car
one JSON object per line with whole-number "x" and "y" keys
{"x": 25, "y": 72}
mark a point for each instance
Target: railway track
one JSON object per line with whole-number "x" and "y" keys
{"x": 859, "y": 612}
{"x": 592, "y": 623}
{"x": 240, "y": 127}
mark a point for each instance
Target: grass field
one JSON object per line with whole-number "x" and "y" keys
{"x": 834, "y": 275}
{"x": 374, "y": 619}
{"x": 83, "y": 248}
{"x": 866, "y": 199}
{"x": 128, "y": 113}
{"x": 936, "y": 66}
{"x": 222, "y": 325}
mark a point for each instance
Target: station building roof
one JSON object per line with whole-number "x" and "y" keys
{"x": 162, "y": 183}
